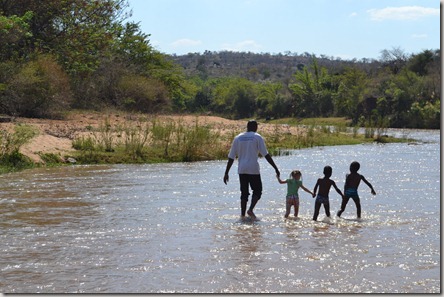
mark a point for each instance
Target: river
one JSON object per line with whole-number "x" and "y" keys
{"x": 167, "y": 228}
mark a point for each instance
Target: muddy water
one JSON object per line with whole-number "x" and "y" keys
{"x": 176, "y": 228}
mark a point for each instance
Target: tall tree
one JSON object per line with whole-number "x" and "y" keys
{"x": 351, "y": 93}
{"x": 313, "y": 91}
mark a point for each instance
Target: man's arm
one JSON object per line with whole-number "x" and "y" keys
{"x": 227, "y": 170}
{"x": 280, "y": 180}
{"x": 270, "y": 160}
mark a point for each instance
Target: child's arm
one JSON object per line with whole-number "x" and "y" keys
{"x": 368, "y": 184}
{"x": 337, "y": 189}
{"x": 315, "y": 188}
{"x": 307, "y": 190}
{"x": 346, "y": 182}
{"x": 280, "y": 181}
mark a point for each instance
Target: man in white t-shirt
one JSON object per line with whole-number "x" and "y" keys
{"x": 246, "y": 147}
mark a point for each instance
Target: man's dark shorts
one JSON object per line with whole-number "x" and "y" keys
{"x": 250, "y": 180}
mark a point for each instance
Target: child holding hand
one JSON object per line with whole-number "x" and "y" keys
{"x": 293, "y": 185}
{"x": 324, "y": 184}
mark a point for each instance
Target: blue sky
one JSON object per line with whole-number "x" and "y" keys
{"x": 344, "y": 29}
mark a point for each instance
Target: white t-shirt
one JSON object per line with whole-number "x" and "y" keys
{"x": 246, "y": 146}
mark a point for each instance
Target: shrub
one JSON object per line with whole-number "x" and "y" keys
{"x": 15, "y": 161}
{"x": 136, "y": 138}
{"x": 40, "y": 88}
{"x": 143, "y": 94}
{"x": 12, "y": 142}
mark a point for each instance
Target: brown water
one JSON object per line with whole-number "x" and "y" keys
{"x": 176, "y": 228}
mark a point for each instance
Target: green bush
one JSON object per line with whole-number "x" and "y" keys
{"x": 12, "y": 142}
{"x": 143, "y": 94}
{"x": 39, "y": 88}
{"x": 51, "y": 159}
{"x": 15, "y": 161}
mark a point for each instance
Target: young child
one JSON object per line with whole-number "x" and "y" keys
{"x": 352, "y": 181}
{"x": 324, "y": 185}
{"x": 293, "y": 185}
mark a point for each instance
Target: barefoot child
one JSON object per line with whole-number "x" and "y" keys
{"x": 293, "y": 185}
{"x": 324, "y": 185}
{"x": 352, "y": 181}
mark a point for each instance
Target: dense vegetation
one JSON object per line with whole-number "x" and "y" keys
{"x": 57, "y": 55}
{"x": 396, "y": 91}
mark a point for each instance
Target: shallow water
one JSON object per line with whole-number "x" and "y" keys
{"x": 176, "y": 227}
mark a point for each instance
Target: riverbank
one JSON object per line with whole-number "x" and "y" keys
{"x": 109, "y": 137}
{"x": 57, "y": 136}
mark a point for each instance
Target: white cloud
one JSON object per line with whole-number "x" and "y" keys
{"x": 243, "y": 46}
{"x": 353, "y": 14}
{"x": 419, "y": 36}
{"x": 184, "y": 42}
{"x": 402, "y": 13}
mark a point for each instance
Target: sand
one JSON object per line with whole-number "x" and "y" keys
{"x": 56, "y": 136}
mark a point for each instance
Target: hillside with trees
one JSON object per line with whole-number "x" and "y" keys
{"x": 398, "y": 90}
{"x": 82, "y": 54}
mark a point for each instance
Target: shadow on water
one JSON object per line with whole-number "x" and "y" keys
{"x": 36, "y": 212}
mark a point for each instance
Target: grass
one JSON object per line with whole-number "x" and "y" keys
{"x": 312, "y": 121}
{"x": 149, "y": 140}
{"x": 152, "y": 141}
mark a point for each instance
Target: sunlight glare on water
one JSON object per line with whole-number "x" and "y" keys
{"x": 168, "y": 228}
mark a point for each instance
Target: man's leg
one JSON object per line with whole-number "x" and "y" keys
{"x": 244, "y": 188}
{"x": 256, "y": 186}
{"x": 243, "y": 207}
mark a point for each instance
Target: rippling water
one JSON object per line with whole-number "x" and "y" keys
{"x": 176, "y": 228}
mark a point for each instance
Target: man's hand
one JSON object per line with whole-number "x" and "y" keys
{"x": 226, "y": 178}
{"x": 229, "y": 163}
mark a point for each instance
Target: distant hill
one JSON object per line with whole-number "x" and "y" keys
{"x": 259, "y": 67}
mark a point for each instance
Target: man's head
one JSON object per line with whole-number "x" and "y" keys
{"x": 252, "y": 126}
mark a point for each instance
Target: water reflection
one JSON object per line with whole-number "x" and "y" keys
{"x": 55, "y": 209}
{"x": 249, "y": 241}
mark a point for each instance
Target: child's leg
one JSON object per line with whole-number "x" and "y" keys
{"x": 358, "y": 206}
{"x": 327, "y": 208}
{"x": 316, "y": 211}
{"x": 287, "y": 207}
{"x": 343, "y": 205}
{"x": 296, "y": 207}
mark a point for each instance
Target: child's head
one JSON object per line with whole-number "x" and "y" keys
{"x": 296, "y": 174}
{"x": 354, "y": 167}
{"x": 328, "y": 171}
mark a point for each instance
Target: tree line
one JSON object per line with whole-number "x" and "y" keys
{"x": 57, "y": 55}
{"x": 397, "y": 90}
